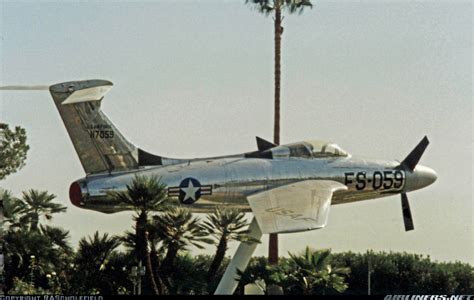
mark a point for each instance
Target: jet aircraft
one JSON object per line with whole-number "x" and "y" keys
{"x": 288, "y": 188}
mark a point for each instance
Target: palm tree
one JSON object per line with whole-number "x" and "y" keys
{"x": 58, "y": 241}
{"x": 257, "y": 271}
{"x": 94, "y": 251}
{"x": 225, "y": 225}
{"x": 267, "y": 7}
{"x": 27, "y": 243}
{"x": 177, "y": 229}
{"x": 11, "y": 209}
{"x": 39, "y": 204}
{"x": 92, "y": 260}
{"x": 262, "y": 274}
{"x": 277, "y": 6}
{"x": 129, "y": 241}
{"x": 58, "y": 237}
{"x": 313, "y": 272}
{"x": 155, "y": 256}
{"x": 32, "y": 254}
{"x": 145, "y": 194}
{"x": 189, "y": 274}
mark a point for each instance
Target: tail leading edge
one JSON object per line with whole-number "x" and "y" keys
{"x": 98, "y": 143}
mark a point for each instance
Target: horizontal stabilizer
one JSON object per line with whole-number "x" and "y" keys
{"x": 24, "y": 88}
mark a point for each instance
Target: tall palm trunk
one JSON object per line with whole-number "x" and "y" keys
{"x": 154, "y": 266}
{"x": 34, "y": 221}
{"x": 151, "y": 274}
{"x": 168, "y": 261}
{"x": 273, "y": 239}
{"x": 142, "y": 245}
{"x": 278, "y": 32}
{"x": 167, "y": 265}
{"x": 216, "y": 262}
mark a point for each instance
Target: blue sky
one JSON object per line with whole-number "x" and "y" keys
{"x": 195, "y": 78}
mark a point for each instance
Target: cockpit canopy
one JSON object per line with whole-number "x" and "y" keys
{"x": 309, "y": 149}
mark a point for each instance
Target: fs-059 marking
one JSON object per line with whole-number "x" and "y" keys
{"x": 378, "y": 180}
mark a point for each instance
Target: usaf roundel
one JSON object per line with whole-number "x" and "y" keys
{"x": 189, "y": 190}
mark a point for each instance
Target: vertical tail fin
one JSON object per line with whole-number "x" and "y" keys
{"x": 98, "y": 143}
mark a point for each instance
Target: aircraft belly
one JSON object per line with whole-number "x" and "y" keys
{"x": 350, "y": 196}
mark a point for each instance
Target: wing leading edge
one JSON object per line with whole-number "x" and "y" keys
{"x": 295, "y": 207}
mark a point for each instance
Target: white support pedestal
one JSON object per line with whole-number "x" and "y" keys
{"x": 241, "y": 258}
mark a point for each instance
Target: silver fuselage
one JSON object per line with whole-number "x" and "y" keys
{"x": 234, "y": 178}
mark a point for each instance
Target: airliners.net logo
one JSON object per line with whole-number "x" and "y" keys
{"x": 429, "y": 297}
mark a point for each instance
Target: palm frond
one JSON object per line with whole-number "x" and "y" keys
{"x": 145, "y": 193}
{"x": 177, "y": 226}
{"x": 268, "y": 6}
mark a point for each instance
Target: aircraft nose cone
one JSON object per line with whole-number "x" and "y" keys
{"x": 426, "y": 176}
{"x": 421, "y": 177}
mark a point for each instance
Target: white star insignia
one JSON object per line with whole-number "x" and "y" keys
{"x": 190, "y": 191}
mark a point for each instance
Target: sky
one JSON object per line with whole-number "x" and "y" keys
{"x": 195, "y": 78}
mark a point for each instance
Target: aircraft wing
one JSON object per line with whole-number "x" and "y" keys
{"x": 294, "y": 207}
